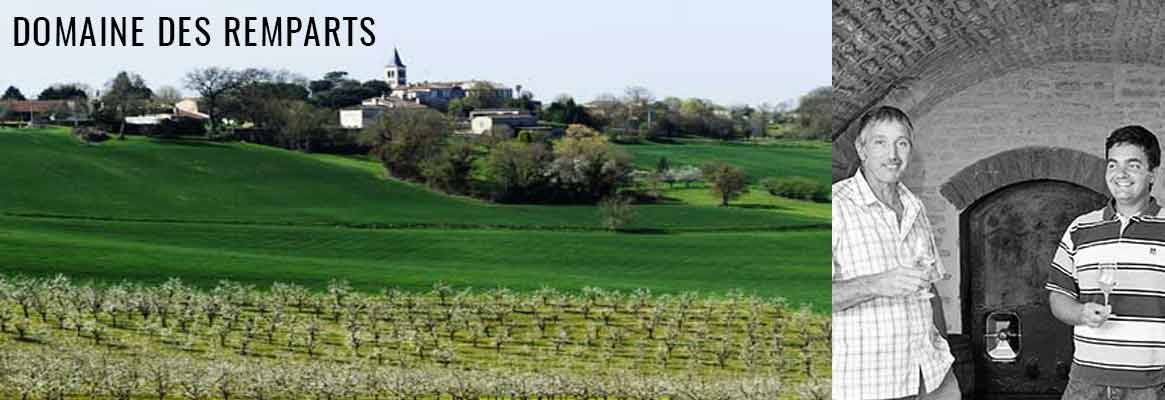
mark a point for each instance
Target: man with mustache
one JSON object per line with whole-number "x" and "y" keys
{"x": 886, "y": 344}
{"x": 1118, "y": 335}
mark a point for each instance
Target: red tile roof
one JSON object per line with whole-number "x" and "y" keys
{"x": 34, "y": 106}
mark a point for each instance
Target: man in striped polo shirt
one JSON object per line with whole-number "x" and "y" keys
{"x": 1120, "y": 337}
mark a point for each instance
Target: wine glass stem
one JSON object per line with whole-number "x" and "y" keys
{"x": 1106, "y": 299}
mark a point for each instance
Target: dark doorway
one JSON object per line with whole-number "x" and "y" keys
{"x": 1008, "y": 238}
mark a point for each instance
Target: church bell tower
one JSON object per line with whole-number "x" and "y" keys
{"x": 394, "y": 73}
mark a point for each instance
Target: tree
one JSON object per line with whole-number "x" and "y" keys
{"x": 211, "y": 83}
{"x": 524, "y": 101}
{"x": 64, "y": 91}
{"x": 457, "y": 108}
{"x": 518, "y": 171}
{"x": 616, "y": 212}
{"x": 589, "y": 168}
{"x": 126, "y": 94}
{"x": 728, "y": 182}
{"x": 12, "y": 94}
{"x": 758, "y": 122}
{"x": 302, "y": 124}
{"x": 379, "y": 87}
{"x": 451, "y": 168}
{"x": 662, "y": 166}
{"x": 320, "y": 86}
{"x": 815, "y": 113}
{"x": 167, "y": 96}
{"x": 577, "y": 131}
{"x": 403, "y": 138}
{"x": 336, "y": 76}
{"x": 564, "y": 110}
{"x": 636, "y": 98}
{"x": 262, "y": 100}
{"x": 481, "y": 95}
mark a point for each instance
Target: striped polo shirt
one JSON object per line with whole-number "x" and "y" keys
{"x": 1129, "y": 349}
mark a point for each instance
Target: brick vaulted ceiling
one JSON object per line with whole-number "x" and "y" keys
{"x": 951, "y": 45}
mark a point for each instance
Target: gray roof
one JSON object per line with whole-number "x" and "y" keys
{"x": 396, "y": 59}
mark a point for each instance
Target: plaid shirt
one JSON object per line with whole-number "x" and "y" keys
{"x": 881, "y": 345}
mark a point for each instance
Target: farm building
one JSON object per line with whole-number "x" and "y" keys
{"x": 365, "y": 114}
{"x": 45, "y": 110}
{"x": 487, "y": 120}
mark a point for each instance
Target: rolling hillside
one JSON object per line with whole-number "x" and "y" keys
{"x": 145, "y": 210}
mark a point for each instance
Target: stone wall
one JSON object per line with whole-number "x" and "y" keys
{"x": 1061, "y": 110}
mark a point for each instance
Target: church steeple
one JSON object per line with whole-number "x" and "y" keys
{"x": 396, "y": 59}
{"x": 394, "y": 74}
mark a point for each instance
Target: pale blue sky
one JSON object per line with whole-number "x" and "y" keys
{"x": 729, "y": 51}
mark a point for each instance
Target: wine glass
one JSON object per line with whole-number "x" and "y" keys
{"x": 925, "y": 261}
{"x": 1107, "y": 279}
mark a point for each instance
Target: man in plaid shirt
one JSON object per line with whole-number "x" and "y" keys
{"x": 886, "y": 344}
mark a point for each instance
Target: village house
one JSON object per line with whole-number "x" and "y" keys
{"x": 34, "y": 111}
{"x": 494, "y": 120}
{"x": 183, "y": 109}
{"x": 421, "y": 95}
{"x": 365, "y": 114}
{"x": 435, "y": 94}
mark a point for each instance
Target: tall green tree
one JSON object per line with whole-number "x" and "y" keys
{"x": 518, "y": 171}
{"x": 304, "y": 125}
{"x": 64, "y": 91}
{"x": 167, "y": 96}
{"x": 212, "y": 83}
{"x": 815, "y": 113}
{"x": 126, "y": 94}
{"x": 404, "y": 138}
{"x": 728, "y": 182}
{"x": 481, "y": 95}
{"x": 12, "y": 94}
{"x": 450, "y": 169}
{"x": 564, "y": 110}
{"x": 589, "y": 168}
{"x": 262, "y": 99}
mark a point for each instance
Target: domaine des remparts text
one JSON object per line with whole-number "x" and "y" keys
{"x": 194, "y": 31}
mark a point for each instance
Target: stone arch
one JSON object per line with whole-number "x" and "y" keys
{"x": 951, "y": 45}
{"x": 1023, "y": 164}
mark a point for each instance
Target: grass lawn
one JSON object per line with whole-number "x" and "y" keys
{"x": 771, "y": 264}
{"x": 771, "y": 158}
{"x": 756, "y": 199}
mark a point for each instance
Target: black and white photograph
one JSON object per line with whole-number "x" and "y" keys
{"x": 997, "y": 228}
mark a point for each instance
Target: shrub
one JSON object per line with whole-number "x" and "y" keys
{"x": 89, "y": 135}
{"x": 529, "y": 136}
{"x": 797, "y": 187}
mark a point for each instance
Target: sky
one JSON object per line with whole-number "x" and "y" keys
{"x": 728, "y": 51}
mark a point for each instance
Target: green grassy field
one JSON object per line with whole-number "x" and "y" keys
{"x": 195, "y": 181}
{"x": 144, "y": 210}
{"x": 769, "y": 264}
{"x": 759, "y": 161}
